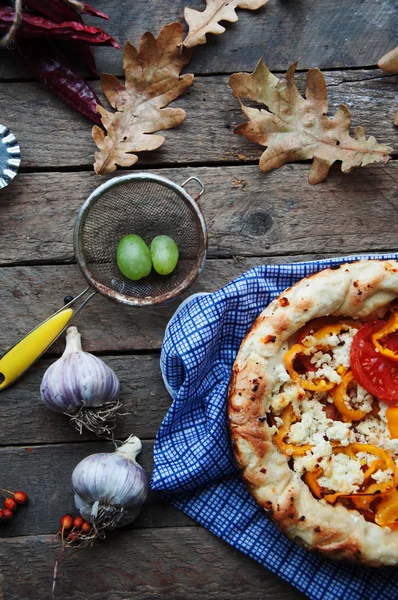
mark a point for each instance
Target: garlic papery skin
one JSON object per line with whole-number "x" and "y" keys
{"x": 110, "y": 488}
{"x": 82, "y": 386}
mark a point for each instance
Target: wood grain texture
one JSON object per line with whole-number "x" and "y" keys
{"x": 29, "y": 295}
{"x": 248, "y": 213}
{"x": 166, "y": 564}
{"x": 44, "y": 473}
{"x": 276, "y": 217}
{"x": 325, "y": 34}
{"x": 144, "y": 396}
{"x": 145, "y": 403}
{"x": 51, "y": 134}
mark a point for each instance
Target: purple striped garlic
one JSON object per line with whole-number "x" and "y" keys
{"x": 83, "y": 387}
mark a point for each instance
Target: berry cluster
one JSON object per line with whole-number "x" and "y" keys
{"x": 75, "y": 530}
{"x": 73, "y": 534}
{"x": 11, "y": 503}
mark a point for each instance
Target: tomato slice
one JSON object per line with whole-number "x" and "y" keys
{"x": 373, "y": 371}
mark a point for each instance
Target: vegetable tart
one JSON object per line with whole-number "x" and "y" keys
{"x": 313, "y": 411}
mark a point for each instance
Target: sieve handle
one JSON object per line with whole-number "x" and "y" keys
{"x": 202, "y": 185}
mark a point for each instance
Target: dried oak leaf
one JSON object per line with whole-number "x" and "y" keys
{"x": 153, "y": 80}
{"x": 389, "y": 62}
{"x": 207, "y": 21}
{"x": 295, "y": 128}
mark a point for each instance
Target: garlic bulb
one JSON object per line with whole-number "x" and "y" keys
{"x": 110, "y": 488}
{"x": 82, "y": 386}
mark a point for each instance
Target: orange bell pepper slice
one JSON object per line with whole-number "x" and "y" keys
{"x": 311, "y": 479}
{"x": 387, "y": 511}
{"x": 315, "y": 385}
{"x": 374, "y": 489}
{"x": 289, "y": 417}
{"x": 339, "y": 393}
{"x": 363, "y": 501}
{"x": 380, "y": 336}
{"x": 392, "y": 421}
{"x": 334, "y": 329}
{"x": 373, "y": 467}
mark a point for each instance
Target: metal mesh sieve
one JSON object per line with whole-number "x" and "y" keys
{"x": 147, "y": 205}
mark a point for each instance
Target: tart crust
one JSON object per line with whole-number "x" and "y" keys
{"x": 355, "y": 290}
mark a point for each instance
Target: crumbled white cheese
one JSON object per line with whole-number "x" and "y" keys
{"x": 319, "y": 358}
{"x": 382, "y": 476}
{"x": 340, "y": 432}
{"x": 312, "y": 426}
{"x": 313, "y": 458}
{"x": 273, "y": 430}
{"x": 309, "y": 341}
{"x": 360, "y": 399}
{"x": 338, "y": 354}
{"x": 280, "y": 377}
{"x": 366, "y": 457}
{"x": 391, "y": 445}
{"x": 323, "y": 449}
{"x": 383, "y": 410}
{"x": 291, "y": 393}
{"x": 371, "y": 430}
{"x": 326, "y": 371}
{"x": 321, "y": 396}
{"x": 329, "y": 340}
{"x": 342, "y": 474}
{"x": 341, "y": 352}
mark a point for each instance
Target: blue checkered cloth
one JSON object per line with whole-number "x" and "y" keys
{"x": 194, "y": 465}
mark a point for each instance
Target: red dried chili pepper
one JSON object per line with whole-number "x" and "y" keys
{"x": 33, "y": 26}
{"x": 58, "y": 11}
{"x": 78, "y": 52}
{"x": 90, "y": 10}
{"x": 50, "y": 67}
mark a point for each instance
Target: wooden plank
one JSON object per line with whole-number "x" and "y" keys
{"x": 44, "y": 473}
{"x": 145, "y": 402}
{"x": 144, "y": 396}
{"x": 247, "y": 212}
{"x": 177, "y": 564}
{"x": 29, "y": 295}
{"x": 51, "y": 134}
{"x": 322, "y": 33}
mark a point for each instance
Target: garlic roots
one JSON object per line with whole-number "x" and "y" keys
{"x": 82, "y": 386}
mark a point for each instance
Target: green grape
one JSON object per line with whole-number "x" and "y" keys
{"x": 133, "y": 257}
{"x": 164, "y": 252}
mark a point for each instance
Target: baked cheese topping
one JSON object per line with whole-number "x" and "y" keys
{"x": 316, "y": 425}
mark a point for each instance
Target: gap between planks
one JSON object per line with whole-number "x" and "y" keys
{"x": 90, "y": 78}
{"x": 204, "y": 138}
{"x": 160, "y": 166}
{"x": 220, "y": 257}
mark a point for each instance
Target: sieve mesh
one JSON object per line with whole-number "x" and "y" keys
{"x": 147, "y": 207}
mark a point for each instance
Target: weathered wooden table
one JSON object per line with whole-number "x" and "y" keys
{"x": 252, "y": 218}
